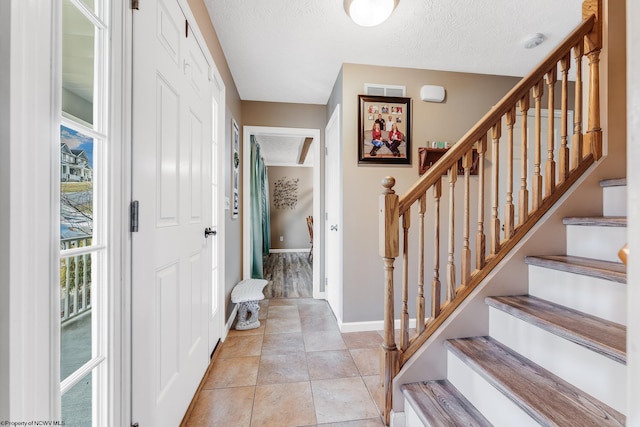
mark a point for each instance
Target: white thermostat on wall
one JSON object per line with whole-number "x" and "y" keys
{"x": 431, "y": 93}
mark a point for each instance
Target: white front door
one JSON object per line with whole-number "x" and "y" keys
{"x": 171, "y": 180}
{"x": 333, "y": 231}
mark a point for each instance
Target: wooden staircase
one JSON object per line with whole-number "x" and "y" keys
{"x": 554, "y": 357}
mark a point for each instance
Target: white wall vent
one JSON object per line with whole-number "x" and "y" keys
{"x": 374, "y": 89}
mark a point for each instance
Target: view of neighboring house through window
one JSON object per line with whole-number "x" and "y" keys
{"x": 83, "y": 255}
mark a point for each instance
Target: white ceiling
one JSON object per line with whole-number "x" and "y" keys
{"x": 283, "y": 150}
{"x": 292, "y": 50}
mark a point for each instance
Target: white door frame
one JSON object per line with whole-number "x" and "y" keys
{"x": 334, "y": 293}
{"x": 29, "y": 357}
{"x": 247, "y": 131}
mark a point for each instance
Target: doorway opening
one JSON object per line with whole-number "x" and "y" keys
{"x": 291, "y": 194}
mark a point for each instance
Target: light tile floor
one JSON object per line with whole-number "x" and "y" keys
{"x": 296, "y": 369}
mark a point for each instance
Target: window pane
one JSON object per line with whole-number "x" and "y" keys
{"x": 75, "y": 312}
{"x": 77, "y": 404}
{"x": 76, "y": 188}
{"x": 78, "y": 61}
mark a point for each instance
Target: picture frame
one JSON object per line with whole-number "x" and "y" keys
{"x": 386, "y": 149}
{"x": 235, "y": 169}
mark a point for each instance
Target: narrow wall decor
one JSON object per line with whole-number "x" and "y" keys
{"x": 235, "y": 167}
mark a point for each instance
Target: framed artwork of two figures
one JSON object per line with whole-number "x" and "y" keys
{"x": 384, "y": 130}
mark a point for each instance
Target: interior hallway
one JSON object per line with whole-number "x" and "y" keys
{"x": 296, "y": 369}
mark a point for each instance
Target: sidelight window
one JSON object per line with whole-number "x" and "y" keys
{"x": 83, "y": 247}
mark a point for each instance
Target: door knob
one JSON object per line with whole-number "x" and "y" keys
{"x": 209, "y": 232}
{"x": 334, "y": 227}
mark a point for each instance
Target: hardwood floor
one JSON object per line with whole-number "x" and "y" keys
{"x": 290, "y": 275}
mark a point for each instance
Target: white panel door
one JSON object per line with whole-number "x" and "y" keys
{"x": 171, "y": 173}
{"x": 333, "y": 224}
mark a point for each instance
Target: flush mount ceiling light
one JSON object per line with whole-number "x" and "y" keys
{"x": 533, "y": 41}
{"x": 369, "y": 13}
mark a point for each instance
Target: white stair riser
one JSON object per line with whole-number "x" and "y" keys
{"x": 614, "y": 201}
{"x": 598, "y": 297}
{"x": 595, "y": 374}
{"x": 596, "y": 242}
{"x": 411, "y": 418}
{"x": 496, "y": 407}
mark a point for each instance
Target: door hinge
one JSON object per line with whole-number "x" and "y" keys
{"x": 135, "y": 4}
{"x": 134, "y": 212}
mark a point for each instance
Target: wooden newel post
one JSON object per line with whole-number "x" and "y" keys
{"x": 389, "y": 251}
{"x": 592, "y": 47}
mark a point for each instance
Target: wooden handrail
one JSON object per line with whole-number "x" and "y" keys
{"x": 520, "y": 90}
{"x": 576, "y": 150}
{"x": 623, "y": 254}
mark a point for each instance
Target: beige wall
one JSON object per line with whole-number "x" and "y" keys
{"x": 279, "y": 114}
{"x": 290, "y": 222}
{"x": 468, "y": 98}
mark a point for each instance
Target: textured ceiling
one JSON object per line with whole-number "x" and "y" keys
{"x": 283, "y": 150}
{"x": 292, "y": 50}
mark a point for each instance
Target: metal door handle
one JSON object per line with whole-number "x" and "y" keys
{"x": 209, "y": 232}
{"x": 334, "y": 227}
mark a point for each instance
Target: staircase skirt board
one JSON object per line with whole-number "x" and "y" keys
{"x": 599, "y": 335}
{"x": 597, "y": 242}
{"x": 595, "y": 374}
{"x": 588, "y": 294}
{"x": 544, "y": 396}
{"x": 439, "y": 404}
{"x": 614, "y": 271}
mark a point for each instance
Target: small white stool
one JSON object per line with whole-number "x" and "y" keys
{"x": 247, "y": 293}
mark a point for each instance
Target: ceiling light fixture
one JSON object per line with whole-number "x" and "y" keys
{"x": 369, "y": 13}
{"x": 534, "y": 40}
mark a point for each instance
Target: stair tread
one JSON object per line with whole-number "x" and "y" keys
{"x": 439, "y": 403}
{"x": 602, "y": 336}
{"x": 601, "y": 221}
{"x": 614, "y": 182}
{"x": 547, "y": 398}
{"x": 614, "y": 271}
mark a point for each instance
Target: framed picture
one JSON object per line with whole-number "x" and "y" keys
{"x": 235, "y": 169}
{"x": 384, "y": 130}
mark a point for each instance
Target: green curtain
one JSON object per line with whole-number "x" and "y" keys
{"x": 260, "y": 213}
{"x": 266, "y": 210}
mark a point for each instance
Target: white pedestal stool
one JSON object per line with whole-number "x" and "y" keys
{"x": 246, "y": 294}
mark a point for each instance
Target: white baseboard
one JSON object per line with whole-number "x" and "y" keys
{"x": 375, "y": 325}
{"x": 280, "y": 251}
{"x": 229, "y": 323}
{"x": 397, "y": 419}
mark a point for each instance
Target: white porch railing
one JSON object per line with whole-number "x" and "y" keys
{"x": 75, "y": 279}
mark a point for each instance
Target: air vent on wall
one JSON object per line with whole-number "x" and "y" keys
{"x": 374, "y": 89}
